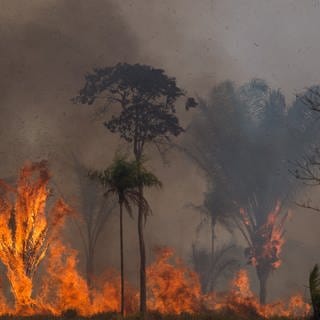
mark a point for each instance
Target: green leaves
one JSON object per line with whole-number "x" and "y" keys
{"x": 123, "y": 178}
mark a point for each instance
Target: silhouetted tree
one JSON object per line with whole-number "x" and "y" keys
{"x": 213, "y": 137}
{"x": 314, "y": 287}
{"x": 264, "y": 242}
{"x": 307, "y": 167}
{"x": 124, "y": 180}
{"x": 209, "y": 269}
{"x": 147, "y": 100}
{"x": 242, "y": 139}
{"x": 214, "y": 211}
{"x": 94, "y": 211}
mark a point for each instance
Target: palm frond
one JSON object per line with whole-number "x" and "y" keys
{"x": 314, "y": 286}
{"x": 125, "y": 179}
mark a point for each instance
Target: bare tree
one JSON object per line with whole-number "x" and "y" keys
{"x": 307, "y": 167}
{"x": 94, "y": 212}
{"x": 211, "y": 268}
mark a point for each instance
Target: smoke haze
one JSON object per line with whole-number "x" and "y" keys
{"x": 48, "y": 46}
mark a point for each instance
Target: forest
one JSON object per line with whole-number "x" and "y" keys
{"x": 160, "y": 160}
{"x": 256, "y": 154}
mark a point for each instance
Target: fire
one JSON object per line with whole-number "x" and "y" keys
{"x": 30, "y": 237}
{"x": 107, "y": 296}
{"x": 172, "y": 289}
{"x": 266, "y": 240}
{"x": 63, "y": 287}
{"x": 25, "y": 230}
{"x": 242, "y": 299}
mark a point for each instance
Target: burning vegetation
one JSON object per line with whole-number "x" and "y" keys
{"x": 41, "y": 273}
{"x": 31, "y": 247}
{"x": 265, "y": 243}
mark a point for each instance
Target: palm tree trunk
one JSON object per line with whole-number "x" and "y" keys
{"x": 143, "y": 290}
{"x": 263, "y": 277}
{"x": 90, "y": 266}
{"x": 121, "y": 258}
{"x": 211, "y": 263}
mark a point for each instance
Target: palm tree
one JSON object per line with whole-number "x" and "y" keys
{"x": 314, "y": 287}
{"x": 123, "y": 179}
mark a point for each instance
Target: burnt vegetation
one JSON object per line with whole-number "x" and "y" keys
{"x": 246, "y": 142}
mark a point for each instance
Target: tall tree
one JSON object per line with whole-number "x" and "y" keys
{"x": 213, "y": 136}
{"x": 314, "y": 287}
{"x": 147, "y": 99}
{"x": 216, "y": 210}
{"x": 124, "y": 180}
{"x": 307, "y": 167}
{"x": 264, "y": 242}
{"x": 243, "y": 138}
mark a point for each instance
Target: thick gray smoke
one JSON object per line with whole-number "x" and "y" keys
{"x": 247, "y": 141}
{"x": 47, "y": 47}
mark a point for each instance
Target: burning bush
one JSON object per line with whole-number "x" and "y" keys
{"x": 26, "y": 230}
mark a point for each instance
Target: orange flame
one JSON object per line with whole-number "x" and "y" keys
{"x": 29, "y": 234}
{"x": 265, "y": 241}
{"x": 25, "y": 231}
{"x": 172, "y": 289}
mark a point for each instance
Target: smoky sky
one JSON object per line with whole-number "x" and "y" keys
{"x": 47, "y": 46}
{"x": 214, "y": 40}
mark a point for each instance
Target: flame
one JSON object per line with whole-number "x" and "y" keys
{"x": 63, "y": 287}
{"x": 172, "y": 289}
{"x": 25, "y": 231}
{"x": 30, "y": 237}
{"x": 265, "y": 241}
{"x": 242, "y": 299}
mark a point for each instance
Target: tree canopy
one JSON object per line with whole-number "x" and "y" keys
{"x": 147, "y": 97}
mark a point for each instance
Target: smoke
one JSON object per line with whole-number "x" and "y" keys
{"x": 46, "y": 49}
{"x": 244, "y": 138}
{"x": 48, "y": 46}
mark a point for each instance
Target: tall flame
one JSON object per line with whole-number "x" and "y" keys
{"x": 29, "y": 236}
{"x": 266, "y": 240}
{"x": 25, "y": 230}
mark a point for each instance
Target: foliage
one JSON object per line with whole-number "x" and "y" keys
{"x": 123, "y": 179}
{"x": 314, "y": 287}
{"x": 147, "y": 97}
{"x": 242, "y": 139}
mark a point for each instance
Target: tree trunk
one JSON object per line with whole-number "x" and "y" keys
{"x": 213, "y": 235}
{"x": 143, "y": 290}
{"x": 121, "y": 259}
{"x": 90, "y": 267}
{"x": 263, "y": 277}
{"x": 212, "y": 256}
{"x": 316, "y": 312}
{"x": 143, "y": 280}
